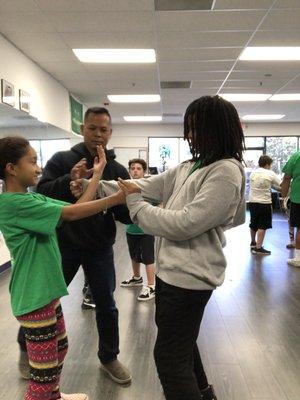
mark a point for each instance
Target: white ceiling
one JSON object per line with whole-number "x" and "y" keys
{"x": 202, "y": 46}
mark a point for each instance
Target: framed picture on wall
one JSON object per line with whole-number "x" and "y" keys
{"x": 7, "y": 93}
{"x": 24, "y": 101}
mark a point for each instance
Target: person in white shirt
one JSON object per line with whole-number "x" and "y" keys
{"x": 260, "y": 203}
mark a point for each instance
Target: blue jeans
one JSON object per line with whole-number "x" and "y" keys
{"x": 99, "y": 269}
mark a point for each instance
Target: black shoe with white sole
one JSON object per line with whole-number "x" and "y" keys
{"x": 261, "y": 251}
{"x": 88, "y": 303}
{"x": 132, "y": 282}
{"x": 147, "y": 293}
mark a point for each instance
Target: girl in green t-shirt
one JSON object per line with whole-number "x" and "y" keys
{"x": 28, "y": 222}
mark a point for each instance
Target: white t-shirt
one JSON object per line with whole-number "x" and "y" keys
{"x": 261, "y": 182}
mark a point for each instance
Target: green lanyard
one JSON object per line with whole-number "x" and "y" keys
{"x": 196, "y": 166}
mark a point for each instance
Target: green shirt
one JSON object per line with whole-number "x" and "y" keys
{"x": 28, "y": 222}
{"x": 133, "y": 229}
{"x": 292, "y": 169}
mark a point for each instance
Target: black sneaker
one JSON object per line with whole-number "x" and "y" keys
{"x": 291, "y": 245}
{"x": 261, "y": 250}
{"x": 252, "y": 245}
{"x": 146, "y": 294}
{"x": 208, "y": 393}
{"x": 88, "y": 303}
{"x": 132, "y": 282}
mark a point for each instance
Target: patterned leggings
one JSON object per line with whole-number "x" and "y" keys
{"x": 47, "y": 344}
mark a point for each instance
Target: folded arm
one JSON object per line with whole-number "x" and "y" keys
{"x": 214, "y": 205}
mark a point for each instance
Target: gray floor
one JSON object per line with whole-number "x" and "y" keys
{"x": 250, "y": 337}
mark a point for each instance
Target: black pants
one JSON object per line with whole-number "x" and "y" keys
{"x": 178, "y": 317}
{"x": 100, "y": 271}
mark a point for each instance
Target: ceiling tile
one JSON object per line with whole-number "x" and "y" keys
{"x": 208, "y": 20}
{"x": 93, "y": 5}
{"x": 240, "y": 85}
{"x": 194, "y": 66}
{"x": 204, "y": 55}
{"x": 24, "y": 22}
{"x": 40, "y": 42}
{"x": 18, "y": 6}
{"x": 276, "y": 38}
{"x": 199, "y": 39}
{"x": 287, "y": 4}
{"x": 45, "y": 55}
{"x": 243, "y": 4}
{"x": 102, "y": 21}
{"x": 77, "y": 40}
{"x": 284, "y": 68}
{"x": 197, "y": 75}
{"x": 282, "y": 20}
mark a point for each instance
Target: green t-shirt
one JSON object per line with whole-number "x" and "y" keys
{"x": 133, "y": 229}
{"x": 292, "y": 169}
{"x": 28, "y": 222}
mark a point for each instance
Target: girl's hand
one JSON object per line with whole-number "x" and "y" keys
{"x": 128, "y": 187}
{"x": 99, "y": 161}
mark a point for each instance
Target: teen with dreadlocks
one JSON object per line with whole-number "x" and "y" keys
{"x": 202, "y": 198}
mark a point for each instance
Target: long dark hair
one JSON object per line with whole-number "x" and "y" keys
{"x": 216, "y": 130}
{"x": 11, "y": 150}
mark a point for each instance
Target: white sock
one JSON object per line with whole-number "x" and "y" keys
{"x": 152, "y": 286}
{"x": 137, "y": 277}
{"x": 297, "y": 254}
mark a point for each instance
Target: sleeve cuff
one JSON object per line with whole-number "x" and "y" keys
{"x": 133, "y": 198}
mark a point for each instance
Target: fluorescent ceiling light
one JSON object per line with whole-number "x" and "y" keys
{"x": 261, "y": 117}
{"x": 285, "y": 97}
{"x": 245, "y": 96}
{"x": 144, "y": 118}
{"x": 135, "y": 98}
{"x": 270, "y": 54}
{"x": 116, "y": 55}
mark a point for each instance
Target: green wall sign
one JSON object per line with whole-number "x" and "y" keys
{"x": 76, "y": 115}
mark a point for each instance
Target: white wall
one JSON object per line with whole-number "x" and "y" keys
{"x": 50, "y": 100}
{"x": 137, "y": 135}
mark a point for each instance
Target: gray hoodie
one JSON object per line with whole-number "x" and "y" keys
{"x": 198, "y": 208}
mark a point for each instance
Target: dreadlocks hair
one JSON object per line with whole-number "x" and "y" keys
{"x": 216, "y": 130}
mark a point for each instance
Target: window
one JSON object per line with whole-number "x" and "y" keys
{"x": 46, "y": 148}
{"x": 254, "y": 142}
{"x": 184, "y": 150}
{"x": 163, "y": 153}
{"x": 280, "y": 149}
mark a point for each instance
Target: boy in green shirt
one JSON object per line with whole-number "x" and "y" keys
{"x": 28, "y": 222}
{"x": 291, "y": 180}
{"x": 140, "y": 245}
